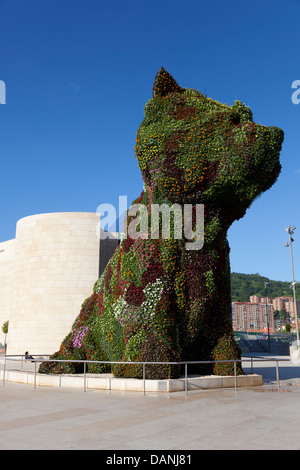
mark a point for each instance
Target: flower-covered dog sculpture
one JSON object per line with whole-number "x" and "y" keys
{"x": 157, "y": 300}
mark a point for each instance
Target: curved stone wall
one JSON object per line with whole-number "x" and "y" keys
{"x": 55, "y": 265}
{"x": 7, "y": 279}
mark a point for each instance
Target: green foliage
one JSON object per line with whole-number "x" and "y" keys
{"x": 288, "y": 328}
{"x": 164, "y": 84}
{"x": 5, "y": 327}
{"x": 157, "y": 301}
{"x": 227, "y": 348}
{"x": 244, "y": 285}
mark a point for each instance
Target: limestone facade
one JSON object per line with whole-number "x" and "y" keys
{"x": 46, "y": 273}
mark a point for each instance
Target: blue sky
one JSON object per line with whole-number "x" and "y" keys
{"x": 78, "y": 74}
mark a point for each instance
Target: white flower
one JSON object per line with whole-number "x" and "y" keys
{"x": 119, "y": 306}
{"x": 153, "y": 293}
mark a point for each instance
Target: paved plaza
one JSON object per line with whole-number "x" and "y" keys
{"x": 60, "y": 418}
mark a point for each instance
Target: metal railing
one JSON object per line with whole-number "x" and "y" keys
{"x": 144, "y": 364}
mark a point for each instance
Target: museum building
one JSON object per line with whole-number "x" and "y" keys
{"x": 46, "y": 273}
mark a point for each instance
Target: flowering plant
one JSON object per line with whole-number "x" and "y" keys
{"x": 79, "y": 335}
{"x": 157, "y": 301}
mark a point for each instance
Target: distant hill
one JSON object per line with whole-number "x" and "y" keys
{"x": 244, "y": 285}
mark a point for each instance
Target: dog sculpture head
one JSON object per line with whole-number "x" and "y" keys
{"x": 192, "y": 149}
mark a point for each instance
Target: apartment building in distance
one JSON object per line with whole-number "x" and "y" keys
{"x": 253, "y": 316}
{"x": 279, "y": 303}
{"x": 256, "y": 314}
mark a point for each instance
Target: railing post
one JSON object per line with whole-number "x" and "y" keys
{"x": 84, "y": 379}
{"x": 235, "y": 378}
{"x": 4, "y": 368}
{"x": 144, "y": 380}
{"x": 277, "y": 376}
{"x": 35, "y": 374}
{"x": 186, "y": 384}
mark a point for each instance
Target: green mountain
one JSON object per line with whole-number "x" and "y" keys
{"x": 244, "y": 285}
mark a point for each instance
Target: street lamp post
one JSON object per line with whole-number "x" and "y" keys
{"x": 268, "y": 319}
{"x": 290, "y": 229}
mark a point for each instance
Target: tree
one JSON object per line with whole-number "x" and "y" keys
{"x": 5, "y": 331}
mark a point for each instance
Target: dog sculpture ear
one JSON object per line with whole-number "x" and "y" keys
{"x": 164, "y": 83}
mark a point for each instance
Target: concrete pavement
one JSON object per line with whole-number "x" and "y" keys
{"x": 257, "y": 418}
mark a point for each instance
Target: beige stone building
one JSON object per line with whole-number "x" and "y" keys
{"x": 46, "y": 273}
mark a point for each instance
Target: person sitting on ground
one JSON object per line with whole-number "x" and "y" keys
{"x": 27, "y": 356}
